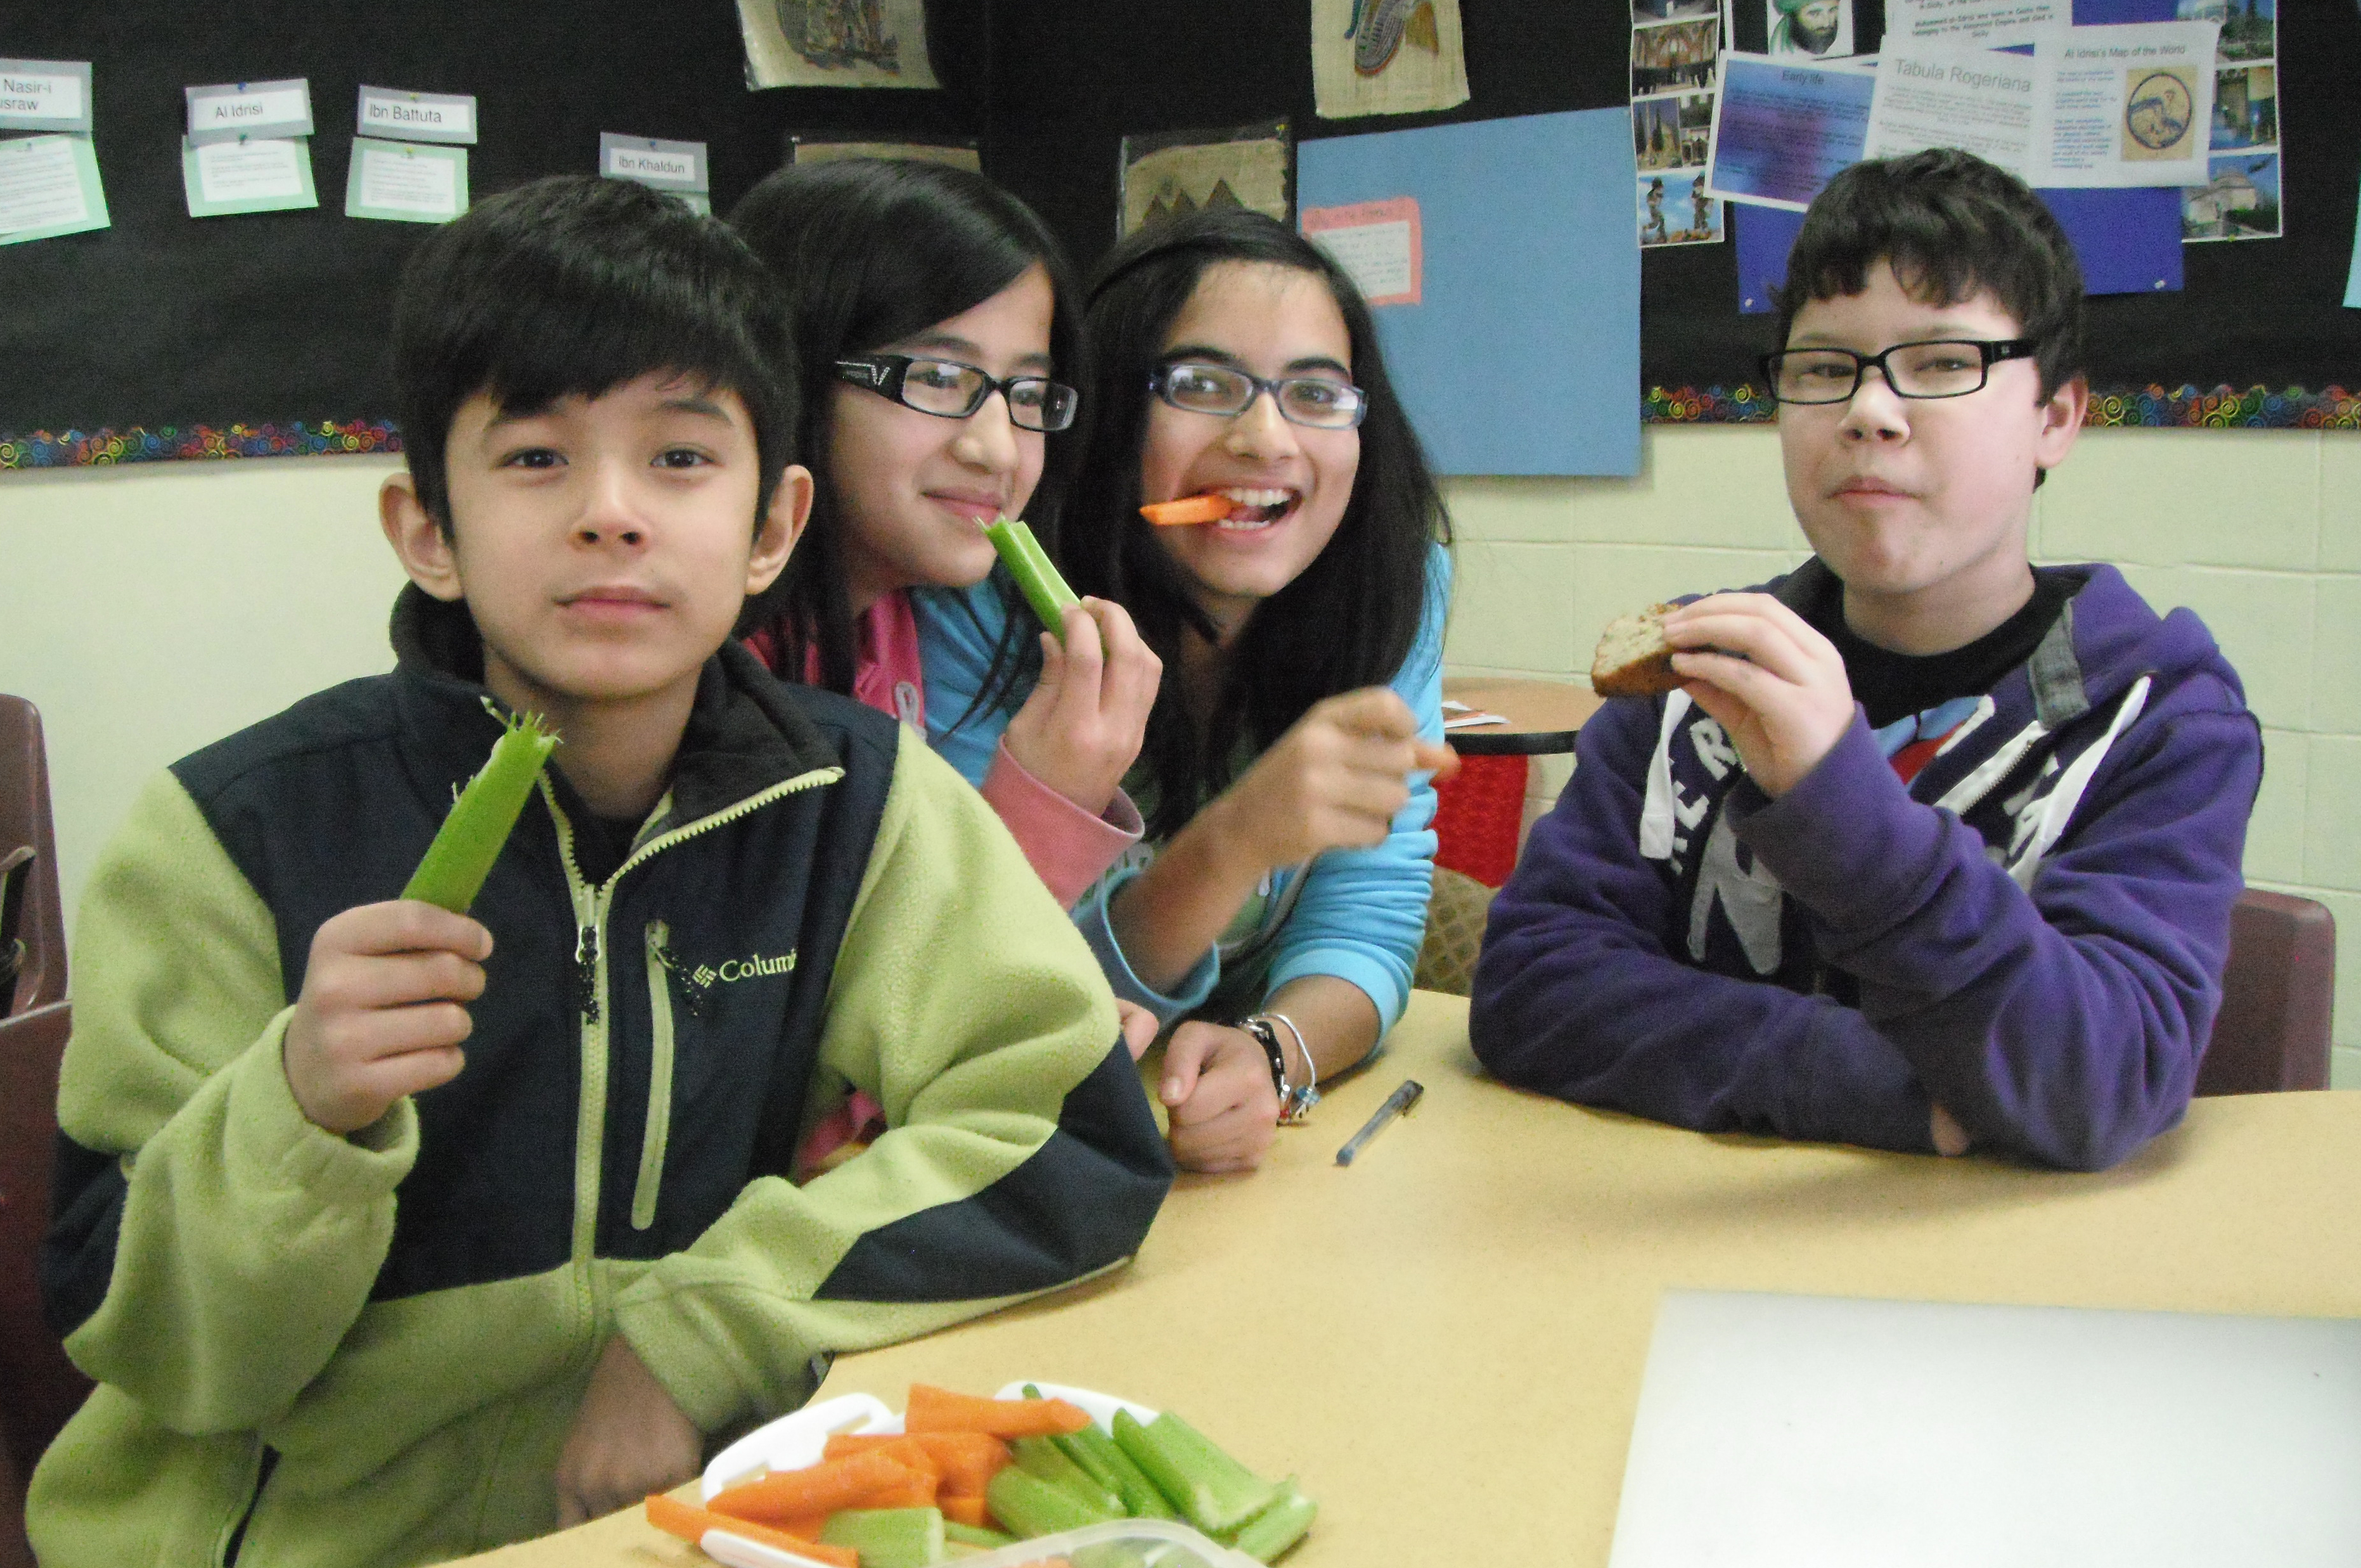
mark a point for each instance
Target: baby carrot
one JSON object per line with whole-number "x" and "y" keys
{"x": 690, "y": 1523}
{"x": 965, "y": 1460}
{"x": 940, "y": 1409}
{"x": 469, "y": 840}
{"x": 822, "y": 1488}
{"x": 1045, "y": 591}
{"x": 1187, "y": 509}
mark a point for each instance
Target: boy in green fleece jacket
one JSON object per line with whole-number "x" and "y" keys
{"x": 392, "y": 1234}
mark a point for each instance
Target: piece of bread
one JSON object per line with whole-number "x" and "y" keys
{"x": 1633, "y": 659}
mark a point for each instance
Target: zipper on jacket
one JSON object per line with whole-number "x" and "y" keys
{"x": 591, "y": 905}
{"x": 660, "y": 1056}
{"x": 233, "y": 1541}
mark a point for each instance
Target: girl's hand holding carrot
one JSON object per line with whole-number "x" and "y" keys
{"x": 1082, "y": 726}
{"x": 383, "y": 1010}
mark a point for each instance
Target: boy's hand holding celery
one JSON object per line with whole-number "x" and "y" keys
{"x": 1079, "y": 731}
{"x": 383, "y": 1006}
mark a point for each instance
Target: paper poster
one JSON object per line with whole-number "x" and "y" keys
{"x": 1675, "y": 209}
{"x": 835, "y": 43}
{"x": 1377, "y": 244}
{"x": 1675, "y": 57}
{"x": 404, "y": 183}
{"x": 45, "y": 95}
{"x": 1175, "y": 172}
{"x": 2249, "y": 27}
{"x": 2128, "y": 105}
{"x": 49, "y": 186}
{"x": 2240, "y": 200}
{"x": 1671, "y": 132}
{"x": 1524, "y": 261}
{"x": 257, "y": 111}
{"x": 264, "y": 175}
{"x": 801, "y": 150}
{"x": 1980, "y": 100}
{"x": 1819, "y": 29}
{"x": 1785, "y": 128}
{"x": 1987, "y": 24}
{"x": 390, "y": 114}
{"x": 1386, "y": 56}
{"x": 2352, "y": 273}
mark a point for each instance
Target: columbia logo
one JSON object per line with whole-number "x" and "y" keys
{"x": 750, "y": 968}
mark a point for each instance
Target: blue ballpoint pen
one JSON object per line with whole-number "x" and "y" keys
{"x": 1398, "y": 1104}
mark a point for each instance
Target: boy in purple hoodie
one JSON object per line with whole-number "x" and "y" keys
{"x": 1935, "y": 850}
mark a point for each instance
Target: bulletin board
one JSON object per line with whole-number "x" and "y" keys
{"x": 168, "y": 336}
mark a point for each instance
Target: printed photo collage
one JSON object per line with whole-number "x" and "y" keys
{"x": 1675, "y": 53}
{"x": 2242, "y": 199}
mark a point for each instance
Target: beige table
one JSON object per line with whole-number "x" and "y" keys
{"x": 1445, "y": 1340}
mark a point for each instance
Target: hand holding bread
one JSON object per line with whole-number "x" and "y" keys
{"x": 1775, "y": 684}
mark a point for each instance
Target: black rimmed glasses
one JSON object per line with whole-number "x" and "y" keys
{"x": 1316, "y": 401}
{"x": 949, "y": 389}
{"x": 1941, "y": 368}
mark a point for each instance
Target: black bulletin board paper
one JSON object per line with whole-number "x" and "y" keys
{"x": 164, "y": 320}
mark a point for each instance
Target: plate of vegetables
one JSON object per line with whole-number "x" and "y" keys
{"x": 1041, "y": 1472}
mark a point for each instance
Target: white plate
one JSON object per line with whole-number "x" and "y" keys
{"x": 796, "y": 1439}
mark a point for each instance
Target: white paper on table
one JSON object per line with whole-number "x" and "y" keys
{"x": 41, "y": 184}
{"x": 2129, "y": 104}
{"x": 1798, "y": 1432}
{"x": 403, "y": 182}
{"x": 1987, "y": 24}
{"x": 1978, "y": 99}
{"x": 267, "y": 170}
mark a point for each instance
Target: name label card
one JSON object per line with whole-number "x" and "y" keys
{"x": 390, "y": 113}
{"x": 666, "y": 165}
{"x": 267, "y": 109}
{"x": 45, "y": 95}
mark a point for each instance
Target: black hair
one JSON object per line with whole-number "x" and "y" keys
{"x": 867, "y": 251}
{"x": 1951, "y": 226}
{"x": 1348, "y": 620}
{"x": 574, "y": 285}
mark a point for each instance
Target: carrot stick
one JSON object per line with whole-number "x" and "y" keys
{"x": 905, "y": 1451}
{"x": 965, "y": 1510}
{"x": 1187, "y": 509}
{"x": 966, "y": 1461}
{"x": 690, "y": 1523}
{"x": 820, "y": 1489}
{"x": 940, "y": 1409}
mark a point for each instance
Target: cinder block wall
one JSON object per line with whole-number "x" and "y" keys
{"x": 149, "y": 609}
{"x": 2259, "y": 531}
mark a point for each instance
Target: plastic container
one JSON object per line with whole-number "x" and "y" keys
{"x": 1125, "y": 1544}
{"x": 797, "y": 1440}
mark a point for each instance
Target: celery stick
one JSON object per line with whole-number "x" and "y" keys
{"x": 1212, "y": 1490}
{"x": 1045, "y": 591}
{"x": 469, "y": 840}
{"x": 1111, "y": 1467}
{"x": 1045, "y": 1459}
{"x": 888, "y": 1538}
{"x": 1030, "y": 1507}
{"x": 958, "y": 1534}
{"x": 1278, "y": 1527}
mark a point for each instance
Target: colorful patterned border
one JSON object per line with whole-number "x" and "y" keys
{"x": 97, "y": 448}
{"x": 2187, "y": 408}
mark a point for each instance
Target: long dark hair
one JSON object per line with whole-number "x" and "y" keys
{"x": 1353, "y": 615}
{"x": 869, "y": 251}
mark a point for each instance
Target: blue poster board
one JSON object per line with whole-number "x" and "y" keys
{"x": 1522, "y": 355}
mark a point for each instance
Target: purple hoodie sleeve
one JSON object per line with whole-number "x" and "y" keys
{"x": 2063, "y": 1024}
{"x": 1577, "y": 995}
